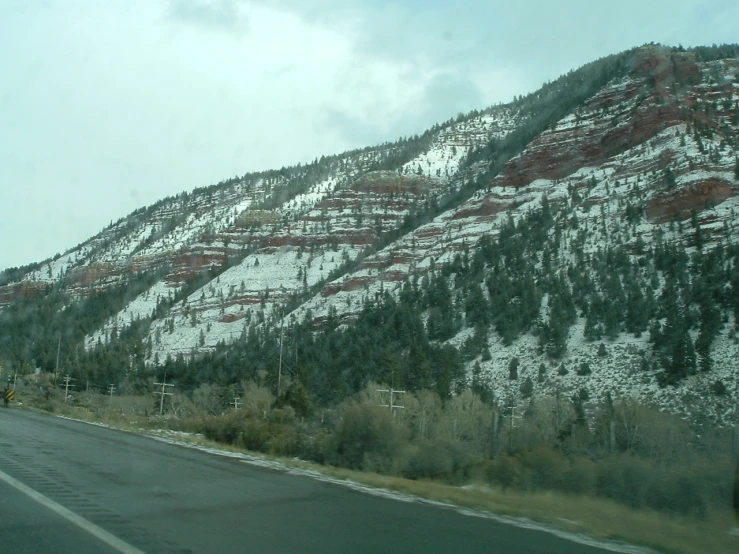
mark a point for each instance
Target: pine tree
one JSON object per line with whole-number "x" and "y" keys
{"x": 637, "y": 317}
{"x": 513, "y": 369}
{"x": 669, "y": 178}
{"x": 584, "y": 369}
{"x": 611, "y": 320}
{"x": 690, "y": 357}
{"x": 554, "y": 334}
{"x": 527, "y": 388}
{"x": 478, "y": 385}
{"x": 477, "y": 309}
{"x": 542, "y": 373}
{"x": 710, "y": 324}
{"x": 578, "y": 400}
{"x": 592, "y": 331}
{"x": 698, "y": 231}
{"x": 682, "y": 358}
{"x": 718, "y": 388}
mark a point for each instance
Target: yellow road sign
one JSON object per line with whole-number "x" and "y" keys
{"x": 9, "y": 395}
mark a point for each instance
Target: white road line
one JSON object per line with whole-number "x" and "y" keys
{"x": 82, "y": 523}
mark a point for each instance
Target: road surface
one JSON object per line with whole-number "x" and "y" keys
{"x": 156, "y": 497}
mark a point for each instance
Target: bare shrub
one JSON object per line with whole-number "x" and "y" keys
{"x": 580, "y": 477}
{"x": 545, "y": 467}
{"x": 258, "y": 400}
{"x": 467, "y": 418}
{"x": 226, "y": 428}
{"x": 506, "y": 471}
{"x": 422, "y": 414}
{"x": 443, "y": 458}
{"x": 366, "y": 437}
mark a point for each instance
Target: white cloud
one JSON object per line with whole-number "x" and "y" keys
{"x": 106, "y": 110}
{"x": 108, "y": 106}
{"x": 218, "y": 14}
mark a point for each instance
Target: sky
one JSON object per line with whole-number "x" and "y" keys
{"x": 108, "y": 106}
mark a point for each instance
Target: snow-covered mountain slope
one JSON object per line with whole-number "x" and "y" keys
{"x": 202, "y": 229}
{"x": 595, "y": 188}
{"x": 649, "y": 157}
{"x": 289, "y": 248}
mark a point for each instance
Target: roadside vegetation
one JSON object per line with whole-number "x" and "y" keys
{"x": 629, "y": 472}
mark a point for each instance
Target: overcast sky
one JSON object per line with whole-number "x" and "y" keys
{"x": 106, "y": 106}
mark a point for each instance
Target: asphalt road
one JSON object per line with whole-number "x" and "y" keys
{"x": 158, "y": 497}
{"x": 27, "y": 527}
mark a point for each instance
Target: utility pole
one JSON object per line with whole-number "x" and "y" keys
{"x": 514, "y": 417}
{"x": 496, "y": 417}
{"x": 282, "y": 334}
{"x": 391, "y": 404}
{"x": 15, "y": 380}
{"x": 236, "y": 403}
{"x": 56, "y": 371}
{"x": 111, "y": 390}
{"x": 612, "y": 436}
{"x": 162, "y": 393}
{"x": 67, "y": 380}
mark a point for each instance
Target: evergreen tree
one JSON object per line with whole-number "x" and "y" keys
{"x": 542, "y": 373}
{"x": 710, "y": 324}
{"x": 476, "y": 307}
{"x": 578, "y": 400}
{"x": 478, "y": 385}
{"x": 602, "y": 352}
{"x": 682, "y": 361}
{"x": 486, "y": 356}
{"x": 555, "y": 332}
{"x": 611, "y": 320}
{"x": 513, "y": 369}
{"x": 592, "y": 330}
{"x": 698, "y": 231}
{"x": 527, "y": 388}
{"x": 669, "y": 178}
{"x": 637, "y": 316}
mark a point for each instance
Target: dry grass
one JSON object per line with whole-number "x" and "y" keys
{"x": 593, "y": 516}
{"x": 111, "y": 418}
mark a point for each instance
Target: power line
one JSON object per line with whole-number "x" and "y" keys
{"x": 162, "y": 393}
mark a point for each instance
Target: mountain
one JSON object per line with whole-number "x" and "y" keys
{"x": 580, "y": 240}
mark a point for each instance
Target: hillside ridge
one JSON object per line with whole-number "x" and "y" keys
{"x": 616, "y": 183}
